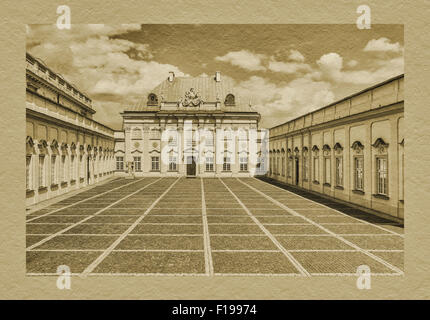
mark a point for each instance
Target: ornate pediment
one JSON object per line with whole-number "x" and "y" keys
{"x": 357, "y": 146}
{"x": 381, "y": 145}
{"x": 191, "y": 99}
{"x": 338, "y": 148}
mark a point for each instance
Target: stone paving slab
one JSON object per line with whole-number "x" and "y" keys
{"x": 159, "y": 226}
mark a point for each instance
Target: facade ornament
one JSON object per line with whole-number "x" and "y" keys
{"x": 191, "y": 99}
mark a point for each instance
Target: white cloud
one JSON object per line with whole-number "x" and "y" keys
{"x": 352, "y": 63}
{"x": 331, "y": 66}
{"x": 277, "y": 103}
{"x": 382, "y": 44}
{"x": 296, "y": 56}
{"x": 288, "y": 67}
{"x": 244, "y": 59}
{"x": 114, "y": 72}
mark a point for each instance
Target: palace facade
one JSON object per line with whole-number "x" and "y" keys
{"x": 65, "y": 148}
{"x": 351, "y": 150}
{"x": 191, "y": 127}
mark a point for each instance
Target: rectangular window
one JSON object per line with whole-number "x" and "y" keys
{"x": 119, "y": 163}
{"x": 226, "y": 164}
{"x": 358, "y": 173}
{"x": 289, "y": 166}
{"x": 172, "y": 163}
{"x": 339, "y": 171}
{"x": 316, "y": 168}
{"x": 243, "y": 163}
{"x": 53, "y": 170}
{"x": 82, "y": 169}
{"x": 209, "y": 141}
{"x": 63, "y": 169}
{"x": 137, "y": 164}
{"x": 155, "y": 163}
{"x": 209, "y": 164}
{"x": 72, "y": 167}
{"x": 382, "y": 176}
{"x": 42, "y": 171}
{"x": 28, "y": 173}
{"x": 305, "y": 168}
{"x": 283, "y": 166}
{"x": 327, "y": 170}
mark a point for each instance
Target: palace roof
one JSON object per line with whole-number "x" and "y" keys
{"x": 187, "y": 92}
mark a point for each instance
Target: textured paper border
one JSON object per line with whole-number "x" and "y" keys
{"x": 14, "y": 283}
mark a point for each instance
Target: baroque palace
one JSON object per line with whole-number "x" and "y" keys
{"x": 351, "y": 150}
{"x": 193, "y": 127}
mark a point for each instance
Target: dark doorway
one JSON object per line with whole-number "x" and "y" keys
{"x": 88, "y": 170}
{"x": 297, "y": 170}
{"x": 191, "y": 166}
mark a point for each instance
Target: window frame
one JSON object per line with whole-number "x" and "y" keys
{"x": 209, "y": 165}
{"x": 119, "y": 162}
{"x": 226, "y": 165}
{"x": 155, "y": 160}
{"x": 355, "y": 160}
{"x": 385, "y": 179}
{"x": 137, "y": 163}
{"x": 243, "y": 165}
{"x": 339, "y": 172}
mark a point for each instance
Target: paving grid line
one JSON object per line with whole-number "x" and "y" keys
{"x": 214, "y": 250}
{"x": 100, "y": 258}
{"x": 369, "y": 254}
{"x": 131, "y": 274}
{"x": 89, "y": 217}
{"x": 118, "y": 250}
{"x": 220, "y": 234}
{"x": 80, "y": 201}
{"x": 72, "y": 194}
{"x": 382, "y": 228}
{"x": 206, "y": 238}
{"x": 295, "y": 263}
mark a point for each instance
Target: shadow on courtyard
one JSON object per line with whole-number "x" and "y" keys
{"x": 342, "y": 207}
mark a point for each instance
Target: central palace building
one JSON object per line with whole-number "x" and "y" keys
{"x": 351, "y": 150}
{"x": 193, "y": 127}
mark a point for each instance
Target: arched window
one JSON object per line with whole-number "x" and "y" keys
{"x": 229, "y": 100}
{"x": 152, "y": 100}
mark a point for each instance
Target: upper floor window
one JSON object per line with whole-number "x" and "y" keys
{"x": 229, "y": 100}
{"x": 152, "y": 100}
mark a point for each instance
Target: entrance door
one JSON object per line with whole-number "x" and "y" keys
{"x": 191, "y": 166}
{"x": 297, "y": 171}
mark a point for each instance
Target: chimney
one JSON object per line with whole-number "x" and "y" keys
{"x": 217, "y": 76}
{"x": 171, "y": 76}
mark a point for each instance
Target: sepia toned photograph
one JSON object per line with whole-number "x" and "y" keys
{"x": 270, "y": 150}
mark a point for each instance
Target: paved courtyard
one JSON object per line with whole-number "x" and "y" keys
{"x": 171, "y": 226}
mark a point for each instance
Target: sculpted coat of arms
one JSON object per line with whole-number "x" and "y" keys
{"x": 191, "y": 99}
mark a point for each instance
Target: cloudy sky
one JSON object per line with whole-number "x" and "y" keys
{"x": 284, "y": 70}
